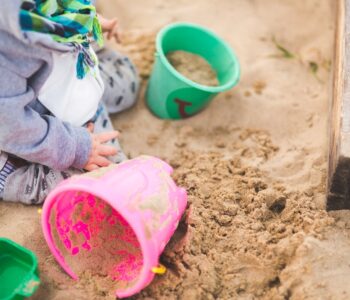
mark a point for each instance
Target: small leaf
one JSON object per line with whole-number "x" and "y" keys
{"x": 286, "y": 53}
{"x": 313, "y": 67}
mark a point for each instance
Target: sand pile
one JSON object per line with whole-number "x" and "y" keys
{"x": 141, "y": 48}
{"x": 240, "y": 232}
{"x": 193, "y": 67}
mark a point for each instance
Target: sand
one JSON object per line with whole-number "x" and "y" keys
{"x": 254, "y": 162}
{"x": 252, "y": 230}
{"x": 193, "y": 67}
{"x": 100, "y": 254}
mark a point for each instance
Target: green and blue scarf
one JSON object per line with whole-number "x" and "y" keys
{"x": 72, "y": 22}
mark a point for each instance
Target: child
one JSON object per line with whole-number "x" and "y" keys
{"x": 55, "y": 95}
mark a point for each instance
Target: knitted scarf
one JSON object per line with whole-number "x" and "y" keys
{"x": 72, "y": 22}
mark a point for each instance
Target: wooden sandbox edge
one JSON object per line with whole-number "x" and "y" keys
{"x": 339, "y": 149}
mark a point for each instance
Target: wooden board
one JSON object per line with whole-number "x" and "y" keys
{"x": 339, "y": 152}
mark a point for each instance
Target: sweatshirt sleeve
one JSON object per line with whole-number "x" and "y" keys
{"x": 33, "y": 137}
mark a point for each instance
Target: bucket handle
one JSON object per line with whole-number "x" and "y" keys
{"x": 160, "y": 269}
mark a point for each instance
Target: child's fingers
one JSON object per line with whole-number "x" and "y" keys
{"x": 90, "y": 127}
{"x": 113, "y": 31}
{"x": 109, "y": 35}
{"x": 112, "y": 23}
{"x": 107, "y": 136}
{"x": 106, "y": 150}
{"x": 117, "y": 38}
{"x": 91, "y": 167}
{"x": 107, "y": 26}
{"x": 116, "y": 35}
{"x": 102, "y": 161}
{"x": 117, "y": 32}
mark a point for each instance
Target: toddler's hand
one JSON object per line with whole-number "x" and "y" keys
{"x": 111, "y": 27}
{"x": 100, "y": 152}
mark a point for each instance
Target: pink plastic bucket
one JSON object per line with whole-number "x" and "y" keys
{"x": 115, "y": 221}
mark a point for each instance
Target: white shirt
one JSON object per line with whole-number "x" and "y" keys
{"x": 68, "y": 98}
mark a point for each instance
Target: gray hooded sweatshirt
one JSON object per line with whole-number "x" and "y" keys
{"x": 27, "y": 130}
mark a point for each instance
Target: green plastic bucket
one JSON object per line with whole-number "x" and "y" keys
{"x": 169, "y": 94}
{"x": 19, "y": 276}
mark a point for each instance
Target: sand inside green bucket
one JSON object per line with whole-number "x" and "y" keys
{"x": 193, "y": 67}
